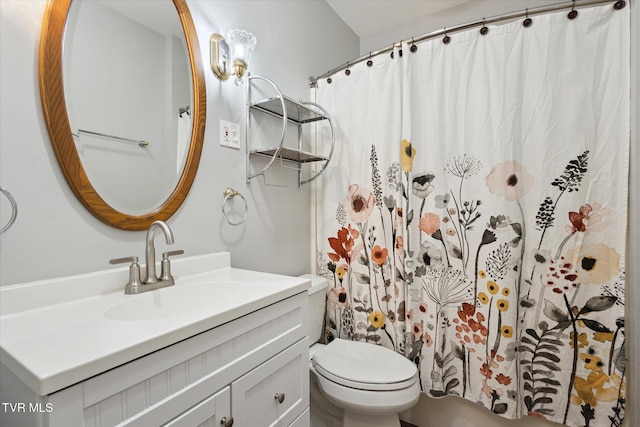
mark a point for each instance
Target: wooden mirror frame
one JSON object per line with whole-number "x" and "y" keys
{"x": 57, "y": 119}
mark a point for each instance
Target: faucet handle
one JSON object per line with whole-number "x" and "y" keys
{"x": 131, "y": 259}
{"x": 134, "y": 273}
{"x": 165, "y": 272}
{"x": 172, "y": 253}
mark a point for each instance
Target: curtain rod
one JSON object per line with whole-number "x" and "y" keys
{"x": 619, "y": 4}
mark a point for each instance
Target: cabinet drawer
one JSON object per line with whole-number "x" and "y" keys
{"x": 255, "y": 396}
{"x": 207, "y": 413}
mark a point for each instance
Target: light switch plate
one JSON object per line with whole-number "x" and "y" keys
{"x": 229, "y": 134}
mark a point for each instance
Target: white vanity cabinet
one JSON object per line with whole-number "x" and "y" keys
{"x": 249, "y": 372}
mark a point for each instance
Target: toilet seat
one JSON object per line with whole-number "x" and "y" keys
{"x": 364, "y": 366}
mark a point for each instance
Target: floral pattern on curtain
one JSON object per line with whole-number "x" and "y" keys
{"x": 474, "y": 217}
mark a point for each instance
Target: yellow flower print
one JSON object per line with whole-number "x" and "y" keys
{"x": 341, "y": 271}
{"x": 507, "y": 331}
{"x": 603, "y": 336}
{"x": 585, "y": 388}
{"x": 506, "y": 292}
{"x": 594, "y": 389}
{"x": 376, "y": 318}
{"x": 483, "y": 298}
{"x": 598, "y": 386}
{"x": 502, "y": 304}
{"x": 482, "y": 274}
{"x": 492, "y": 287}
{"x": 591, "y": 361}
{"x": 582, "y": 340}
{"x": 407, "y": 154}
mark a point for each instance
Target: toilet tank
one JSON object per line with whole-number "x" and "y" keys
{"x": 317, "y": 298}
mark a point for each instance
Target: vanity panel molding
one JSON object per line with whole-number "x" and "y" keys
{"x": 195, "y": 378}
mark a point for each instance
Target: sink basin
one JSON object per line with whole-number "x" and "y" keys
{"x": 177, "y": 300}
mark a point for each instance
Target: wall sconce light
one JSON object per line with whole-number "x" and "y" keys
{"x": 231, "y": 56}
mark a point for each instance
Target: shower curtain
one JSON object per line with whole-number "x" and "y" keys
{"x": 473, "y": 215}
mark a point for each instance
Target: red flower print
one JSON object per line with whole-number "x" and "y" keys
{"x": 417, "y": 330}
{"x": 428, "y": 341}
{"x": 354, "y": 233}
{"x": 587, "y": 216}
{"x": 471, "y": 328}
{"x": 342, "y": 245}
{"x": 379, "y": 255}
{"x": 536, "y": 414}
{"x": 486, "y": 371}
{"x": 503, "y": 379}
{"x": 467, "y": 310}
{"x": 561, "y": 276}
{"x": 429, "y": 223}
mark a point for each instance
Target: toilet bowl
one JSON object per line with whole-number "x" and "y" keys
{"x": 355, "y": 384}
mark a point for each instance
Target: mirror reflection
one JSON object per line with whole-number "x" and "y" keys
{"x": 127, "y": 87}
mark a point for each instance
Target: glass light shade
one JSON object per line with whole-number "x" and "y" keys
{"x": 242, "y": 44}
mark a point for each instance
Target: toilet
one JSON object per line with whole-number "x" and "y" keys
{"x": 355, "y": 384}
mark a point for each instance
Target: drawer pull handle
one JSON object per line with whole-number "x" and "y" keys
{"x": 279, "y": 397}
{"x": 226, "y": 422}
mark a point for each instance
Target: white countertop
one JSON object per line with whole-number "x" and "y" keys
{"x": 58, "y": 332}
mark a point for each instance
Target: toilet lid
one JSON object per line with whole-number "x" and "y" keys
{"x": 364, "y": 366}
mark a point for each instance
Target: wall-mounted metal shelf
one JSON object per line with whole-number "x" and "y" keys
{"x": 296, "y": 112}
{"x": 289, "y": 111}
{"x": 290, "y": 155}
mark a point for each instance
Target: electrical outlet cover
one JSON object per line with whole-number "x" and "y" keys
{"x": 229, "y": 134}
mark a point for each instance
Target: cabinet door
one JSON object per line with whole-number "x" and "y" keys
{"x": 276, "y": 392}
{"x": 208, "y": 413}
{"x": 303, "y": 420}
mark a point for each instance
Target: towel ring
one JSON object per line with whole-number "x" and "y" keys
{"x": 230, "y": 193}
{"x": 14, "y": 210}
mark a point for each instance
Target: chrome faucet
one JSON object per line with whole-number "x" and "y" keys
{"x": 151, "y": 280}
{"x": 150, "y": 251}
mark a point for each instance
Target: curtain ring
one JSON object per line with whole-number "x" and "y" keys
{"x": 347, "y": 71}
{"x": 527, "y": 21}
{"x": 413, "y": 48}
{"x": 484, "y": 30}
{"x": 369, "y": 62}
{"x": 230, "y": 193}
{"x": 620, "y": 4}
{"x": 446, "y": 38}
{"x": 574, "y": 13}
{"x": 14, "y": 210}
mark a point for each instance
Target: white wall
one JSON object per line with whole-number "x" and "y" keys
{"x": 55, "y": 236}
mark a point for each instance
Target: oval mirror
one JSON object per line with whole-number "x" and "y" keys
{"x": 124, "y": 101}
